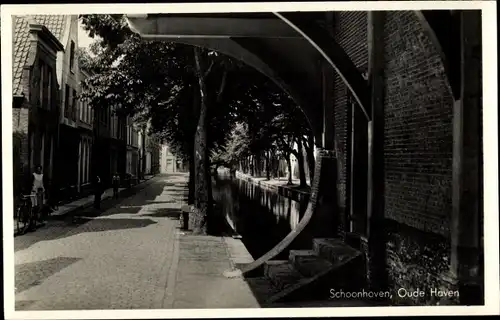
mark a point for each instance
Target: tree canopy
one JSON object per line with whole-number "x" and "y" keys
{"x": 157, "y": 81}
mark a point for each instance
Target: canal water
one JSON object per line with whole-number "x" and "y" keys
{"x": 260, "y": 216}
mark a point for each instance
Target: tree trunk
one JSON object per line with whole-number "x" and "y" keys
{"x": 251, "y": 166}
{"x": 300, "y": 160}
{"x": 191, "y": 185}
{"x": 209, "y": 181}
{"x": 201, "y": 195}
{"x": 268, "y": 166}
{"x": 275, "y": 163}
{"x": 310, "y": 156}
{"x": 258, "y": 165}
{"x": 289, "y": 163}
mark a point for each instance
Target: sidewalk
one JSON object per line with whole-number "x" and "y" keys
{"x": 196, "y": 279}
{"x": 88, "y": 201}
{"x": 134, "y": 256}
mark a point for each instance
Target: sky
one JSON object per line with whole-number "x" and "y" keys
{"x": 84, "y": 40}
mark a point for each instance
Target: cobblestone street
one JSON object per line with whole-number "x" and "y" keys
{"x": 126, "y": 257}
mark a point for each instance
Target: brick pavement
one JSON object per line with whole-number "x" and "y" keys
{"x": 85, "y": 202}
{"x": 132, "y": 256}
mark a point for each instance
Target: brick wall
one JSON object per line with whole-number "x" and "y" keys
{"x": 418, "y": 162}
{"x": 350, "y": 31}
{"x": 417, "y": 154}
{"x": 20, "y": 146}
{"x": 28, "y": 119}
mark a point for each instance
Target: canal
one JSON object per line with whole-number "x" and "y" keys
{"x": 262, "y": 217}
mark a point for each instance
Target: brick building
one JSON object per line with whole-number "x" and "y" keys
{"x": 66, "y": 164}
{"x": 149, "y": 152}
{"x": 110, "y": 144}
{"x": 85, "y": 125}
{"x": 132, "y": 166}
{"x": 153, "y": 149}
{"x": 35, "y": 110}
{"x": 100, "y": 160}
{"x": 169, "y": 163}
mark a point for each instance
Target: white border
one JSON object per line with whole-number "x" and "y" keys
{"x": 490, "y": 137}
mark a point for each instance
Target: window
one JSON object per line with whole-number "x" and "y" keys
{"x": 80, "y": 111}
{"x": 72, "y": 56}
{"x": 49, "y": 88}
{"x": 83, "y": 111}
{"x": 42, "y": 150}
{"x": 89, "y": 157}
{"x": 66, "y": 102}
{"x": 32, "y": 148}
{"x": 42, "y": 84}
{"x": 84, "y": 163}
{"x": 74, "y": 108}
{"x": 87, "y": 112}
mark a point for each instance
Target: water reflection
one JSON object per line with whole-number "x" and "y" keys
{"x": 261, "y": 216}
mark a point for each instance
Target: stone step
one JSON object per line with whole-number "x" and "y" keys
{"x": 262, "y": 288}
{"x": 294, "y": 254}
{"x": 281, "y": 274}
{"x": 312, "y": 265}
{"x": 334, "y": 250}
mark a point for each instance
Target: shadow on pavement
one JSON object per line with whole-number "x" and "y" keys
{"x": 33, "y": 273}
{"x": 129, "y": 202}
{"x": 172, "y": 213}
{"x": 154, "y": 201}
{"x": 99, "y": 225}
{"x": 24, "y": 304}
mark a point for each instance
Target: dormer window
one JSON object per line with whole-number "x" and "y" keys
{"x": 72, "y": 56}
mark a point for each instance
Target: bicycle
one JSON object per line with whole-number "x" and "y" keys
{"x": 24, "y": 213}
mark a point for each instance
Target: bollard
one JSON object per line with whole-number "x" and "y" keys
{"x": 185, "y": 216}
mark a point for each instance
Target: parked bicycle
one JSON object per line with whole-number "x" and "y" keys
{"x": 25, "y": 213}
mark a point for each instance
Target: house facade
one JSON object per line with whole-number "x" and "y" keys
{"x": 86, "y": 127}
{"x": 149, "y": 152}
{"x": 35, "y": 111}
{"x": 132, "y": 166}
{"x": 169, "y": 163}
{"x": 100, "y": 153}
{"x": 66, "y": 166}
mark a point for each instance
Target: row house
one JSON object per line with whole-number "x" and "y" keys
{"x": 69, "y": 79}
{"x": 46, "y": 113}
{"x": 53, "y": 128}
{"x": 109, "y": 153}
{"x": 35, "y": 112}
{"x": 149, "y": 152}
{"x": 86, "y": 127}
{"x": 169, "y": 162}
{"x": 132, "y": 167}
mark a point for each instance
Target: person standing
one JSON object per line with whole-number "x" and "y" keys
{"x": 116, "y": 185}
{"x": 97, "y": 192}
{"x": 38, "y": 191}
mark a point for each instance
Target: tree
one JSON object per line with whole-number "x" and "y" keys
{"x": 185, "y": 94}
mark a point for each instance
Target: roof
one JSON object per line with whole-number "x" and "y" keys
{"x": 20, "y": 52}
{"x": 56, "y": 25}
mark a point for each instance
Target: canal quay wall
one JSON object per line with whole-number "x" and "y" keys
{"x": 261, "y": 213}
{"x": 411, "y": 281}
{"x": 282, "y": 190}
